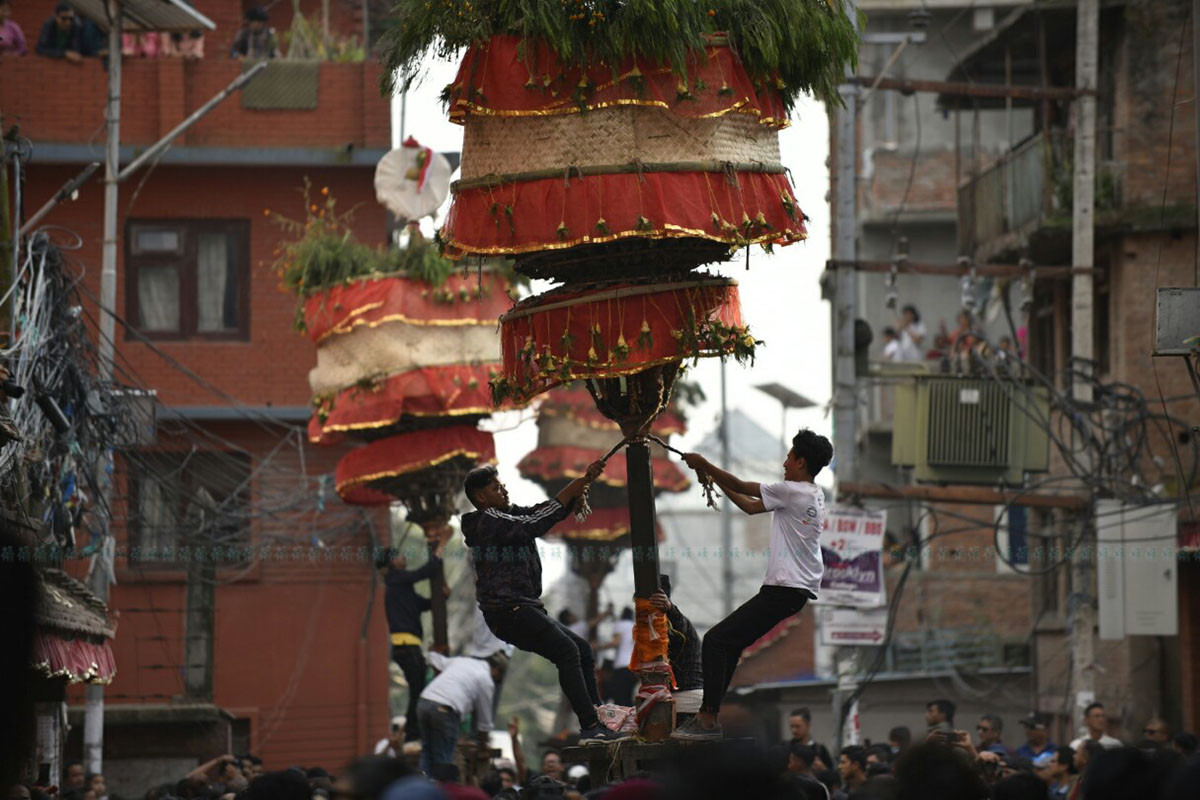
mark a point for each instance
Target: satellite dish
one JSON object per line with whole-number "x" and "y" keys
{"x": 412, "y": 181}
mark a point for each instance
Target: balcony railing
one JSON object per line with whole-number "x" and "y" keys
{"x": 1013, "y": 196}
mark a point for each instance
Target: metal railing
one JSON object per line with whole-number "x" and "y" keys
{"x": 1012, "y": 195}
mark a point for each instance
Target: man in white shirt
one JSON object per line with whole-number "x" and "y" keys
{"x": 463, "y": 685}
{"x": 793, "y": 570}
{"x": 1096, "y": 720}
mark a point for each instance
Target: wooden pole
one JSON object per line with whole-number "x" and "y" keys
{"x": 642, "y": 534}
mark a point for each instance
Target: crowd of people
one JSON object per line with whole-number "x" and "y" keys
{"x": 954, "y": 350}
{"x": 65, "y": 36}
{"x": 946, "y": 764}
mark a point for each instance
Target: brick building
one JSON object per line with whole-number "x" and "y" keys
{"x": 942, "y": 177}
{"x": 1145, "y": 238}
{"x": 298, "y": 671}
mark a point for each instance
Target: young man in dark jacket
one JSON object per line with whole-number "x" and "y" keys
{"x": 508, "y": 572}
{"x": 404, "y": 608}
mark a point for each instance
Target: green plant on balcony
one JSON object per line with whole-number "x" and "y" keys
{"x": 307, "y": 40}
{"x": 1107, "y": 183}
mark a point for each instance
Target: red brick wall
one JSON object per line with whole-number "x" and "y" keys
{"x": 57, "y": 101}
{"x": 287, "y": 651}
{"x": 272, "y": 366}
{"x": 344, "y": 18}
{"x": 1154, "y": 81}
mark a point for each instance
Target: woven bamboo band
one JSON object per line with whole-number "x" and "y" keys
{"x": 367, "y": 353}
{"x": 499, "y": 145}
{"x": 730, "y": 168}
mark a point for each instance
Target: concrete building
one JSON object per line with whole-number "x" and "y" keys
{"x": 297, "y": 663}
{"x": 948, "y": 176}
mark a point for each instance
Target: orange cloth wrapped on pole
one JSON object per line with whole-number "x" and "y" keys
{"x": 649, "y": 635}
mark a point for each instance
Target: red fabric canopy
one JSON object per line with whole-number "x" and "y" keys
{"x": 407, "y": 454}
{"x": 578, "y": 406}
{"x": 509, "y": 77}
{"x": 457, "y": 390}
{"x": 556, "y": 213}
{"x": 77, "y": 660}
{"x": 552, "y": 463}
{"x": 374, "y": 301}
{"x": 564, "y": 336}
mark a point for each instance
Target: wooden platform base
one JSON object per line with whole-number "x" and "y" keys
{"x": 607, "y": 763}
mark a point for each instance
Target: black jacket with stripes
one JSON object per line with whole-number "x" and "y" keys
{"x": 503, "y": 546}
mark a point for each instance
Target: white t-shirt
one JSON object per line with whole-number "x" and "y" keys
{"x": 624, "y": 627}
{"x": 799, "y": 516}
{"x": 1106, "y": 741}
{"x": 892, "y": 351}
{"x": 909, "y": 349}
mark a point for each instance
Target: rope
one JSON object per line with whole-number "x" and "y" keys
{"x": 584, "y": 508}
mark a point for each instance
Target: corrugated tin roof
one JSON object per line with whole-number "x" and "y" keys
{"x": 145, "y": 16}
{"x": 67, "y": 606}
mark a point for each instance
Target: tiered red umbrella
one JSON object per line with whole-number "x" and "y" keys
{"x": 403, "y": 366}
{"x": 618, "y": 189}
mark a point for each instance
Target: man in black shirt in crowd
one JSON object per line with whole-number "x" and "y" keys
{"x": 404, "y": 608}
{"x": 508, "y": 573}
{"x": 683, "y": 652}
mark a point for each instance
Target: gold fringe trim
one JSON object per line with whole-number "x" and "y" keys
{"x": 354, "y": 483}
{"x": 357, "y": 322}
{"x": 461, "y": 250}
{"x": 90, "y": 676}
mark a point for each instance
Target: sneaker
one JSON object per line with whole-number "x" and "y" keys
{"x": 598, "y": 734}
{"x": 694, "y": 730}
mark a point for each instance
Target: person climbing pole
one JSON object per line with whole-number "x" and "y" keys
{"x": 793, "y": 571}
{"x": 508, "y": 574}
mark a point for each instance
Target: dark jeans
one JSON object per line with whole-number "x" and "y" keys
{"x": 439, "y": 726}
{"x": 532, "y": 630}
{"x": 411, "y": 661}
{"x": 725, "y": 641}
{"x": 620, "y": 688}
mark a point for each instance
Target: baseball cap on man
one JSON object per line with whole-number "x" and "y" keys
{"x": 1036, "y": 719}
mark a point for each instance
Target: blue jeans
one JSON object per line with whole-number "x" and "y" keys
{"x": 439, "y": 733}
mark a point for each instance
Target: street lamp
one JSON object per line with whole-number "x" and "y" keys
{"x": 787, "y": 398}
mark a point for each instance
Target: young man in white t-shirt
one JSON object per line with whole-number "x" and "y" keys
{"x": 793, "y": 571}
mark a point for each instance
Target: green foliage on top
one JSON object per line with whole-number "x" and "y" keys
{"x": 804, "y": 44}
{"x": 320, "y": 251}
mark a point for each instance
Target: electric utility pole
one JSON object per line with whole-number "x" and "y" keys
{"x": 1082, "y": 623}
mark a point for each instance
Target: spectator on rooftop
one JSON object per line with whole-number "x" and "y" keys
{"x": 12, "y": 38}
{"x": 912, "y": 334}
{"x": 256, "y": 40}
{"x": 62, "y": 35}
